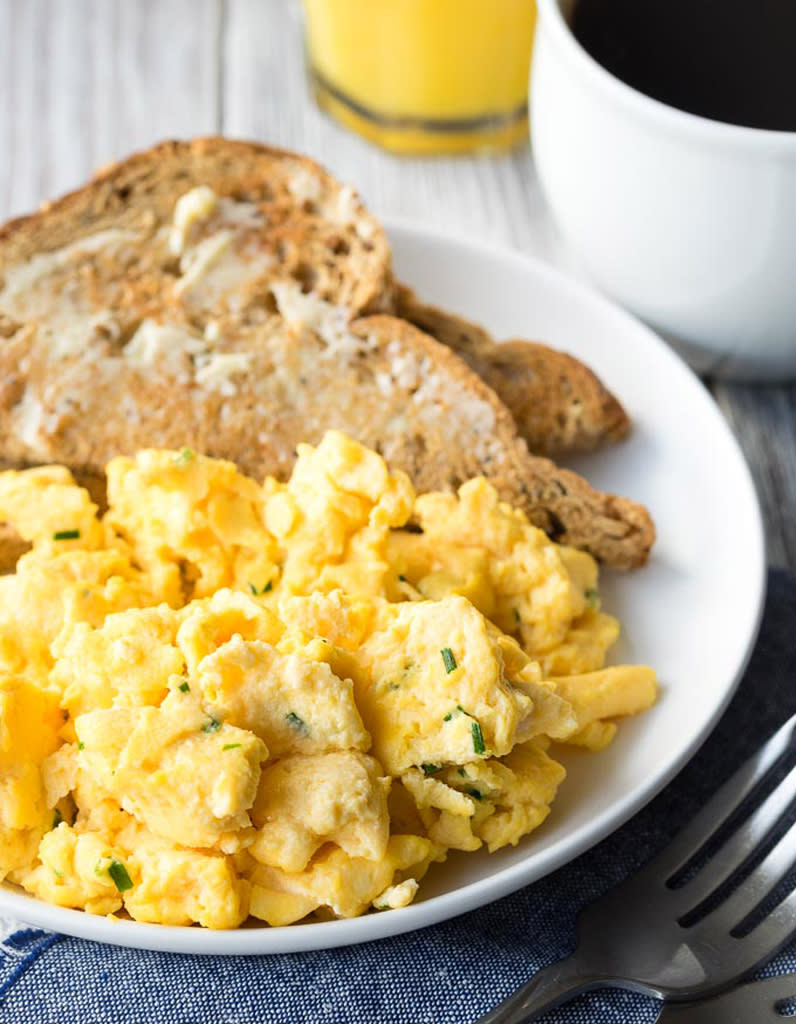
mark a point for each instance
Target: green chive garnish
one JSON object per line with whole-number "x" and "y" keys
{"x": 118, "y": 873}
{"x": 478, "y": 738}
{"x": 230, "y": 746}
{"x": 297, "y": 722}
{"x": 448, "y": 659}
{"x": 66, "y": 535}
{"x": 263, "y": 590}
{"x": 402, "y": 578}
{"x": 475, "y": 793}
{"x": 431, "y": 769}
{"x": 592, "y": 596}
{"x": 81, "y": 745}
{"x": 184, "y": 687}
{"x": 185, "y": 455}
{"x": 212, "y": 726}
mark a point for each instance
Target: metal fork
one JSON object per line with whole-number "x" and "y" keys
{"x": 754, "y": 1003}
{"x": 634, "y": 937}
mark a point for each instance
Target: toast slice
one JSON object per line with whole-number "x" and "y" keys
{"x": 253, "y": 393}
{"x": 251, "y": 215}
{"x": 559, "y": 405}
{"x": 202, "y": 295}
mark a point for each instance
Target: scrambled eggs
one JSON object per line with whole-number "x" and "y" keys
{"x": 222, "y": 699}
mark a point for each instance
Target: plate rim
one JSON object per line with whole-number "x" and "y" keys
{"x": 20, "y": 906}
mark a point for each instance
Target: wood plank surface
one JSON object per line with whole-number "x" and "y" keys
{"x": 83, "y": 82}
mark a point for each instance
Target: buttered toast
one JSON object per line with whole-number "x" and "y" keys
{"x": 559, "y": 405}
{"x": 210, "y": 294}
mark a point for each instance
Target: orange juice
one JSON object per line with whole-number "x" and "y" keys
{"x": 424, "y": 75}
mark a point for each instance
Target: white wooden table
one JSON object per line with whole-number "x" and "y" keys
{"x": 83, "y": 82}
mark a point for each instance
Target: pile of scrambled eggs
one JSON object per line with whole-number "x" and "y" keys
{"x": 222, "y": 699}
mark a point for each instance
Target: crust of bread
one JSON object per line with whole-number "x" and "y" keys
{"x": 403, "y": 393}
{"x": 101, "y": 353}
{"x": 559, "y": 405}
{"x": 348, "y": 260}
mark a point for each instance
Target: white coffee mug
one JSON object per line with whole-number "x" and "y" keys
{"x": 690, "y": 223}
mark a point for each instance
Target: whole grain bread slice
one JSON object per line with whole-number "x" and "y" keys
{"x": 253, "y": 393}
{"x": 202, "y": 294}
{"x": 559, "y": 405}
{"x": 280, "y": 213}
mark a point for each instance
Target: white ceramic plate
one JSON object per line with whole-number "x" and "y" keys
{"x": 692, "y": 613}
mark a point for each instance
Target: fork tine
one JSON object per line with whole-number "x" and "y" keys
{"x": 716, "y": 812}
{"x": 773, "y": 931}
{"x": 754, "y": 889}
{"x": 740, "y": 845}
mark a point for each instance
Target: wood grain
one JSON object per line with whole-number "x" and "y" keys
{"x": 83, "y": 82}
{"x": 86, "y": 81}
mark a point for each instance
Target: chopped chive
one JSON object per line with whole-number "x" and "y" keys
{"x": 463, "y": 773}
{"x": 431, "y": 769}
{"x": 118, "y": 873}
{"x": 402, "y": 578}
{"x": 212, "y": 726}
{"x": 66, "y": 535}
{"x": 478, "y": 738}
{"x": 185, "y": 455}
{"x": 263, "y": 590}
{"x": 592, "y": 596}
{"x": 184, "y": 687}
{"x": 230, "y": 746}
{"x": 81, "y": 745}
{"x": 448, "y": 717}
{"x": 57, "y": 818}
{"x": 475, "y": 793}
{"x": 448, "y": 659}
{"x": 297, "y": 722}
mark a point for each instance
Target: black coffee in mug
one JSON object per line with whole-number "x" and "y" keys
{"x": 728, "y": 60}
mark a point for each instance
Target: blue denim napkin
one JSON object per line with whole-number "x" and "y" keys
{"x": 448, "y": 974}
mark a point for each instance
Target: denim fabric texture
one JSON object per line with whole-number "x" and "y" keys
{"x": 448, "y": 974}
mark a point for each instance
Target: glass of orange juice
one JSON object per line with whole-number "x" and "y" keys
{"x": 424, "y": 76}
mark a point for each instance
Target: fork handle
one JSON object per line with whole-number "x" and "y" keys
{"x": 549, "y": 987}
